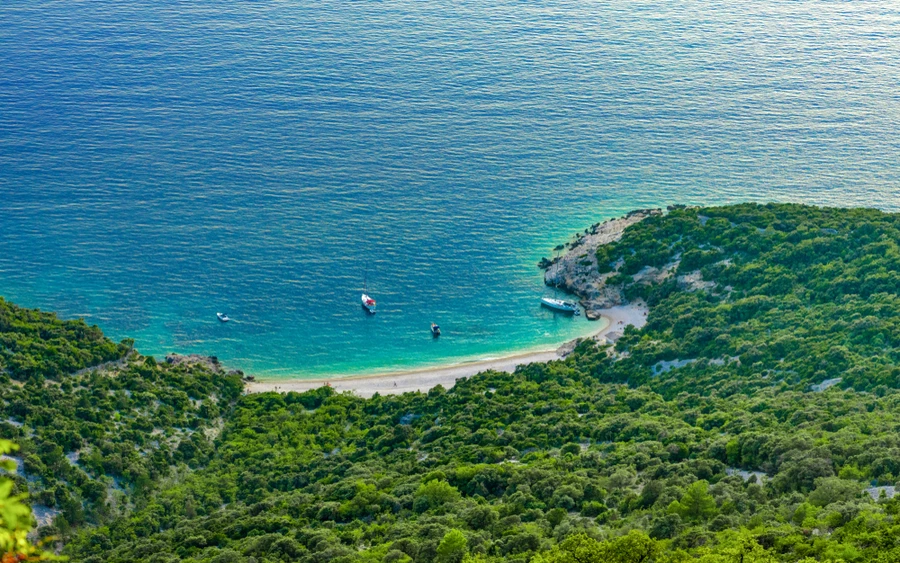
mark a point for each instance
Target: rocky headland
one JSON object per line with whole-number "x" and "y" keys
{"x": 577, "y": 270}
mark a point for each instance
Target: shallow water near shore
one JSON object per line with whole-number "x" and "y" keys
{"x": 163, "y": 162}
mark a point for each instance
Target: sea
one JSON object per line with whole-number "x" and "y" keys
{"x": 164, "y": 161}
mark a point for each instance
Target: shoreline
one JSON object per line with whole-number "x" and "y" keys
{"x": 576, "y": 272}
{"x": 426, "y": 378}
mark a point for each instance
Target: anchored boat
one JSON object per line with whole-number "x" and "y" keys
{"x": 559, "y": 305}
{"x": 222, "y": 317}
{"x": 367, "y": 302}
{"x": 435, "y": 330}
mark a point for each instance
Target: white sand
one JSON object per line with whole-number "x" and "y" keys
{"x": 425, "y": 379}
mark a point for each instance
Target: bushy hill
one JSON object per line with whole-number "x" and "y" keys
{"x": 35, "y": 343}
{"x": 96, "y": 431}
{"x": 698, "y": 437}
{"x": 798, "y": 295}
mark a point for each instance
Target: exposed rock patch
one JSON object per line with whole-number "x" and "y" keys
{"x": 20, "y": 466}
{"x": 651, "y": 275}
{"x": 819, "y": 387}
{"x": 44, "y": 515}
{"x": 664, "y": 366}
{"x": 694, "y": 281}
{"x": 209, "y": 362}
{"x": 875, "y": 492}
{"x": 108, "y": 366}
{"x": 746, "y": 475}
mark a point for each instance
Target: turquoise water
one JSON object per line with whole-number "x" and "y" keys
{"x": 163, "y": 161}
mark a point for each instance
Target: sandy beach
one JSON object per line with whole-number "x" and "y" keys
{"x": 424, "y": 379}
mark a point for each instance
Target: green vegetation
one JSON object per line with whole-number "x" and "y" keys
{"x": 698, "y": 437}
{"x": 95, "y": 440}
{"x": 36, "y": 343}
{"x": 15, "y": 518}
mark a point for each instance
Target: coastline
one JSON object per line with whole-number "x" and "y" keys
{"x": 424, "y": 379}
{"x": 576, "y": 272}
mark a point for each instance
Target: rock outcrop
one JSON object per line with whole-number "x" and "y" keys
{"x": 210, "y": 362}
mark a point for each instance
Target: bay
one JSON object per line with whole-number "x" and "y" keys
{"x": 160, "y": 162}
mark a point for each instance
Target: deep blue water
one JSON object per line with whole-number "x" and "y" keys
{"x": 162, "y": 161}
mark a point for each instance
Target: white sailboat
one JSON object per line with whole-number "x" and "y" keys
{"x": 560, "y": 304}
{"x": 367, "y": 302}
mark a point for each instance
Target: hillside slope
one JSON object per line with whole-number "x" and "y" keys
{"x": 754, "y": 418}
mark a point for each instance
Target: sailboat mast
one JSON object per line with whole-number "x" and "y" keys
{"x": 556, "y": 277}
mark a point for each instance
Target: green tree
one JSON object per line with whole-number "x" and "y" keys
{"x": 436, "y": 493}
{"x": 738, "y": 547}
{"x": 834, "y": 489}
{"x": 634, "y": 547}
{"x": 696, "y": 504}
{"x": 453, "y": 547}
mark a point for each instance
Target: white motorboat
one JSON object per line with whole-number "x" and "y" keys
{"x": 222, "y": 317}
{"x": 560, "y": 305}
